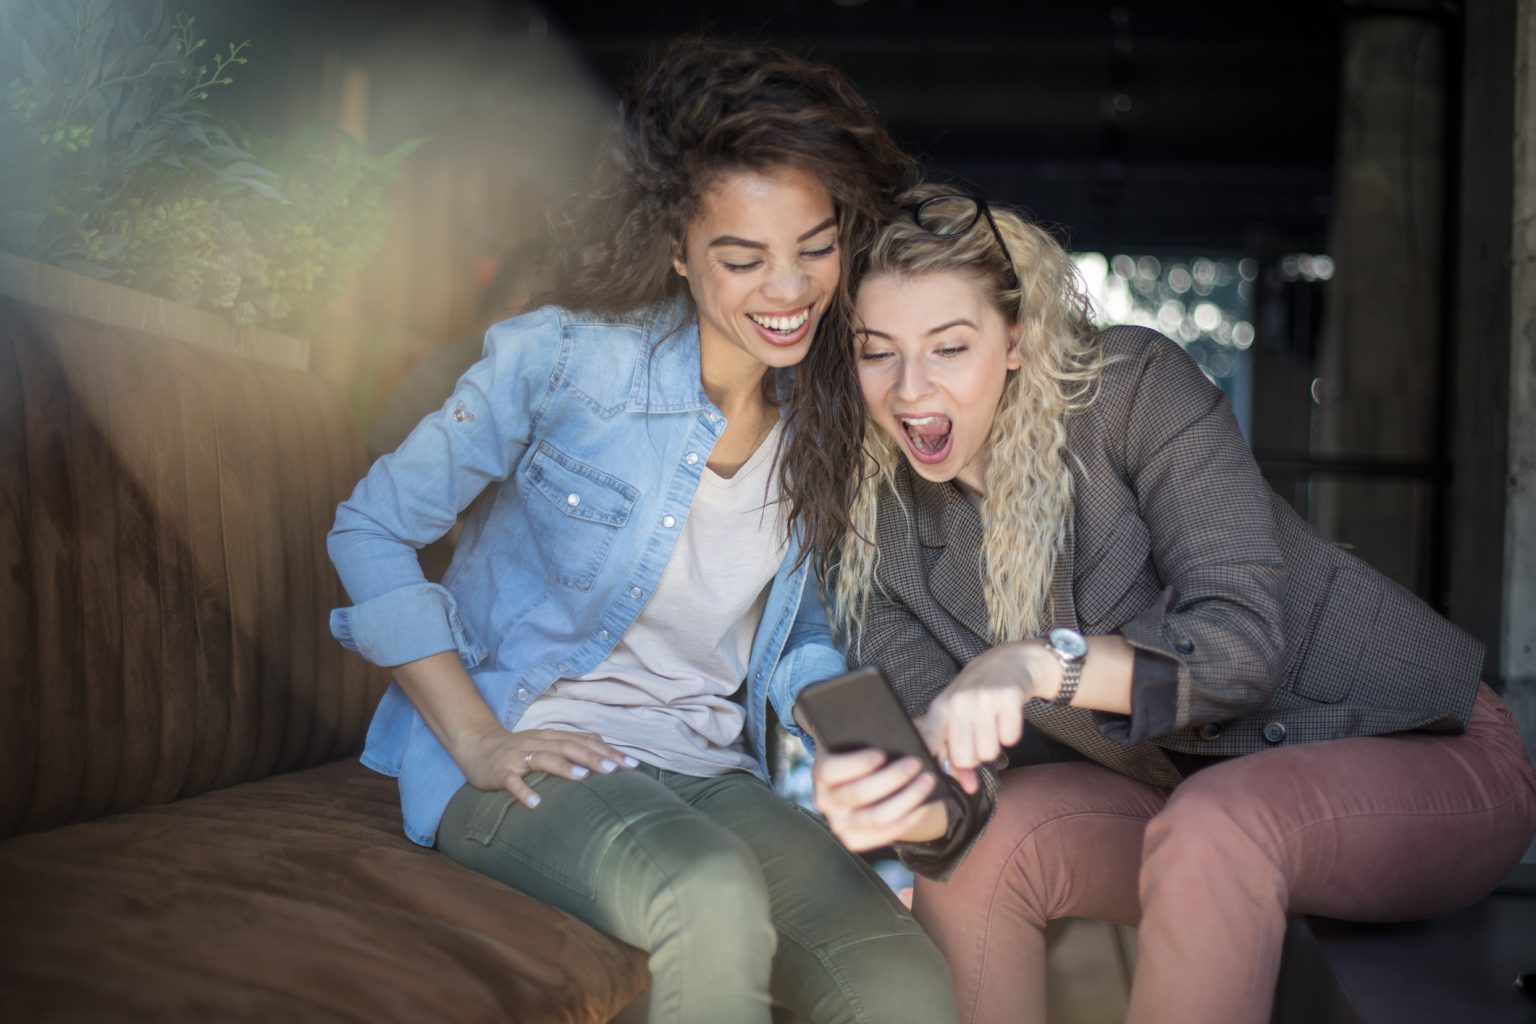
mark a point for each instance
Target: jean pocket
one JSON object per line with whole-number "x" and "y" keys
{"x": 549, "y": 842}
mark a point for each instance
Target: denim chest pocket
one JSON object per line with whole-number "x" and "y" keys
{"x": 576, "y": 511}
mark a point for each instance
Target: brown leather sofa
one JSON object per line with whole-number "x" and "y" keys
{"x": 186, "y": 832}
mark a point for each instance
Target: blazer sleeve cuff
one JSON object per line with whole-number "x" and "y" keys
{"x": 1154, "y": 701}
{"x": 968, "y": 818}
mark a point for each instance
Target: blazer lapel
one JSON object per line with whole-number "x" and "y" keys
{"x": 1063, "y": 609}
{"x": 947, "y": 520}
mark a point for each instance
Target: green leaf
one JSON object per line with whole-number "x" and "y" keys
{"x": 109, "y": 246}
{"x": 58, "y": 34}
{"x": 157, "y": 20}
{"x": 138, "y": 57}
{"x": 33, "y": 68}
{"x": 243, "y": 167}
{"x": 256, "y": 186}
{"x": 130, "y": 115}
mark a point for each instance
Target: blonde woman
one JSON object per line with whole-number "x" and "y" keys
{"x": 1061, "y": 530}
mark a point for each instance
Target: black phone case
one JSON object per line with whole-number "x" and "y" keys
{"x": 859, "y": 710}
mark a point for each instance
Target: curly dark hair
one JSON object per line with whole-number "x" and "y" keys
{"x": 702, "y": 109}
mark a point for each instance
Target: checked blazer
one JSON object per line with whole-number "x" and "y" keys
{"x": 1278, "y": 636}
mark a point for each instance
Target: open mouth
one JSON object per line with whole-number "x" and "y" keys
{"x": 929, "y": 436}
{"x": 782, "y": 329}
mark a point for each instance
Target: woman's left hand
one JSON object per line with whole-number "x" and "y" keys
{"x": 869, "y": 803}
{"x": 981, "y": 712}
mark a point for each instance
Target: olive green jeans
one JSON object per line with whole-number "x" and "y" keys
{"x": 749, "y": 908}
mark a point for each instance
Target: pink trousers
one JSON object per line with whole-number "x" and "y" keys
{"x": 1379, "y": 828}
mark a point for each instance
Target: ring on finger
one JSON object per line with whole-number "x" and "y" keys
{"x": 528, "y": 760}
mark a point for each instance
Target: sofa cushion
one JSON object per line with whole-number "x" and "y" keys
{"x": 294, "y": 898}
{"x": 164, "y": 585}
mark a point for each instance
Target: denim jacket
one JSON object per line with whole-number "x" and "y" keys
{"x": 587, "y": 435}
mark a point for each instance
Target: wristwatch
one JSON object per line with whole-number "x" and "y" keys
{"x": 1071, "y": 650}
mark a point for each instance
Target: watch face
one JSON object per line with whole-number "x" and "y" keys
{"x": 1069, "y": 642}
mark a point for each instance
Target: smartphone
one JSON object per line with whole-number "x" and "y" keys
{"x": 857, "y": 711}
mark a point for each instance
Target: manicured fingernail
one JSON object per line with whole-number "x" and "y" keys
{"x": 579, "y": 772}
{"x": 534, "y": 799}
{"x": 608, "y": 766}
{"x": 949, "y": 769}
{"x": 631, "y": 762}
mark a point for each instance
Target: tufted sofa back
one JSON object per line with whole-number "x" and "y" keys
{"x": 164, "y": 585}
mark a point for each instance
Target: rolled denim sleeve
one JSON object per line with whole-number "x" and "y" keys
{"x": 810, "y": 655}
{"x": 414, "y": 495}
{"x": 405, "y": 624}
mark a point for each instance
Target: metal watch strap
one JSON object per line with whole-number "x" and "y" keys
{"x": 1071, "y": 673}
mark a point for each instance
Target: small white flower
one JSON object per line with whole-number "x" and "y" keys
{"x": 223, "y": 287}
{"x": 184, "y": 289}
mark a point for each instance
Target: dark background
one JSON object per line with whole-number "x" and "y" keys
{"x": 1377, "y": 134}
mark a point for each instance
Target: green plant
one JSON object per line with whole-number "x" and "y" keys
{"x": 266, "y": 260}
{"x": 99, "y": 110}
{"x": 113, "y": 165}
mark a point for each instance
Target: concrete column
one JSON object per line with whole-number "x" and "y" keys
{"x": 1519, "y": 584}
{"x": 1379, "y": 361}
{"x": 1483, "y": 305}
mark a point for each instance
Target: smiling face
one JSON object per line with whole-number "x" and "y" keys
{"x": 762, "y": 264}
{"x": 933, "y": 356}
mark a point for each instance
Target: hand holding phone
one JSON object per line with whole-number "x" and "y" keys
{"x": 876, "y": 783}
{"x": 859, "y": 711}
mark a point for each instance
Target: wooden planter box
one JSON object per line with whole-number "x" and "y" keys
{"x": 67, "y": 292}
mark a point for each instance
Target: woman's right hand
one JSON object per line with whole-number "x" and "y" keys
{"x": 868, "y": 806}
{"x": 501, "y": 759}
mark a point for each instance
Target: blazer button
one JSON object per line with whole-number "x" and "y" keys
{"x": 1185, "y": 646}
{"x": 1209, "y": 731}
{"x": 1274, "y": 732}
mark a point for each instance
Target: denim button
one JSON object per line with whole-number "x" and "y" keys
{"x": 1209, "y": 731}
{"x": 1274, "y": 732}
{"x": 602, "y": 634}
{"x": 669, "y": 521}
{"x": 1185, "y": 646}
{"x": 522, "y": 693}
{"x": 635, "y": 592}
{"x": 573, "y": 500}
{"x": 692, "y": 458}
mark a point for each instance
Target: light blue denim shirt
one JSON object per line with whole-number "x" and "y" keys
{"x": 583, "y": 436}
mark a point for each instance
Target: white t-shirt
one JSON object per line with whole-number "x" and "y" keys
{"x": 663, "y": 694}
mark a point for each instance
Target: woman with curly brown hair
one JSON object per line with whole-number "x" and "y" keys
{"x": 1062, "y": 527}
{"x": 580, "y": 708}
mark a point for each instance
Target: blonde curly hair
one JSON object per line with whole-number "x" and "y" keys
{"x": 1028, "y": 480}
